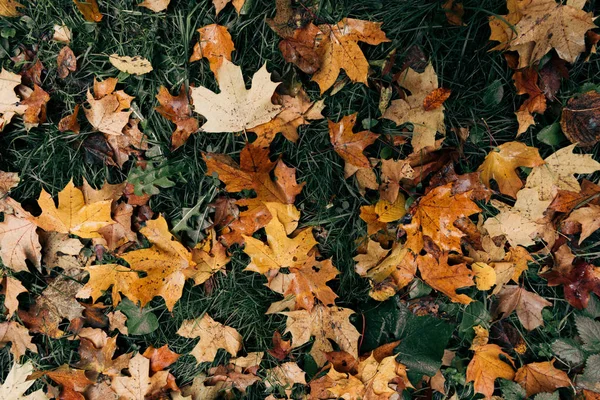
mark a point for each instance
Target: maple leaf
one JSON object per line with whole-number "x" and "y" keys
{"x": 73, "y": 215}
{"x": 528, "y": 305}
{"x": 135, "y": 65}
{"x": 236, "y": 109}
{"x": 500, "y": 164}
{"x": 98, "y": 357}
{"x": 167, "y": 265}
{"x": 155, "y": 5}
{"x": 485, "y": 275}
{"x": 350, "y": 145}
{"x": 281, "y": 348}
{"x": 73, "y": 381}
{"x": 534, "y": 28}
{"x": 337, "y": 385}
{"x": 19, "y": 241}
{"x": 434, "y": 216}
{"x": 220, "y": 4}
{"x": 307, "y": 282}
{"x": 392, "y": 172}
{"x": 11, "y": 289}
{"x": 215, "y": 44}
{"x": 285, "y": 376}
{"x": 18, "y": 335}
{"x": 579, "y": 279}
{"x": 447, "y": 279}
{"x": 522, "y": 223}
{"x": 487, "y": 365}
{"x": 280, "y": 250}
{"x": 106, "y": 112}
{"x": 10, "y": 104}
{"x": 526, "y": 82}
{"x": 36, "y": 107}
{"x": 300, "y": 48}
{"x": 69, "y": 122}
{"x": 338, "y": 49}
{"x": 160, "y": 358}
{"x": 580, "y": 117}
{"x": 296, "y": 110}
{"x": 139, "y": 384}
{"x": 213, "y": 336}
{"x": 177, "y": 110}
{"x": 377, "y": 375}
{"x": 589, "y": 219}
{"x": 16, "y": 384}
{"x": 541, "y": 377}
{"x": 210, "y": 257}
{"x": 323, "y": 323}
{"x": 426, "y": 123}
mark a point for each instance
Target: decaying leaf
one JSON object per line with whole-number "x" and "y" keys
{"x": 215, "y": 44}
{"x": 139, "y": 384}
{"x": 10, "y": 104}
{"x": 67, "y": 62}
{"x": 350, "y": 145}
{"x": 528, "y": 305}
{"x": 447, "y": 279}
{"x": 16, "y": 334}
{"x": 580, "y": 119}
{"x": 236, "y": 109}
{"x": 177, "y": 109}
{"x": 541, "y": 377}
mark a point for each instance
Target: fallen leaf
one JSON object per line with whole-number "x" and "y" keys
{"x": 447, "y": 279}
{"x": 541, "y": 377}
{"x": 155, "y": 5}
{"x": 11, "y": 289}
{"x": 177, "y": 109}
{"x": 160, "y": 358}
{"x": 220, "y": 4}
{"x": 99, "y": 357}
{"x": 486, "y": 365}
{"x": 73, "y": 215}
{"x": 323, "y": 323}
{"x": 135, "y": 65}
{"x": 579, "y": 279}
{"x": 350, "y": 145}
{"x": 436, "y": 98}
{"x": 300, "y": 48}
{"x": 500, "y": 164}
{"x": 10, "y": 104}
{"x": 426, "y": 123}
{"x": 213, "y": 336}
{"x": 215, "y": 44}
{"x": 89, "y": 9}
{"x": 106, "y": 112}
{"x": 281, "y": 348}
{"x": 19, "y": 242}
{"x": 338, "y": 49}
{"x": 392, "y": 172}
{"x": 534, "y": 28}
{"x": 378, "y": 375}
{"x": 280, "y": 251}
{"x": 9, "y": 8}
{"x": 485, "y": 275}
{"x": 36, "y": 108}
{"x": 285, "y": 376}
{"x": 67, "y": 62}
{"x": 527, "y": 304}
{"x": 69, "y": 122}
{"x": 434, "y": 216}
{"x": 566, "y": 200}
{"x": 62, "y": 34}
{"x": 589, "y": 219}
{"x": 18, "y": 335}
{"x": 454, "y": 12}
{"x": 210, "y": 257}
{"x": 139, "y": 384}
{"x": 580, "y": 118}
{"x": 16, "y": 384}
{"x": 236, "y": 109}
{"x": 526, "y": 83}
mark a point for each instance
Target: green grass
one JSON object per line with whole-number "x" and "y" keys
{"x": 47, "y": 158}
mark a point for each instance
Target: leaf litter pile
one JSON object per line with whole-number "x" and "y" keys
{"x": 299, "y": 200}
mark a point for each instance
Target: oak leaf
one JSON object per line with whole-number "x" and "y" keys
{"x": 535, "y": 27}
{"x": 139, "y": 384}
{"x": 18, "y": 335}
{"x": 350, "y": 145}
{"x": 236, "y": 109}
{"x": 528, "y": 305}
{"x": 500, "y": 164}
{"x": 215, "y": 44}
{"x": 213, "y": 336}
{"x": 323, "y": 323}
{"x": 280, "y": 251}
{"x": 426, "y": 123}
{"x": 177, "y": 109}
{"x": 167, "y": 264}
{"x": 487, "y": 365}
{"x": 16, "y": 384}
{"x": 338, "y": 49}
{"x": 135, "y": 65}
{"x": 447, "y": 279}
{"x": 73, "y": 215}
{"x": 434, "y": 216}
{"x": 541, "y": 377}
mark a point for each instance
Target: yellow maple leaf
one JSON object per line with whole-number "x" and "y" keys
{"x": 213, "y": 336}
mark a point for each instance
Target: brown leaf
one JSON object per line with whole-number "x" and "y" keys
{"x": 67, "y": 62}
{"x": 73, "y": 381}
{"x": 19, "y": 241}
{"x": 454, "y": 12}
{"x": 18, "y": 335}
{"x": 526, "y": 82}
{"x": 36, "y": 108}
{"x": 177, "y": 110}
{"x": 580, "y": 119}
{"x": 281, "y": 348}
{"x": 220, "y": 4}
{"x": 300, "y": 48}
{"x": 528, "y": 305}
{"x": 541, "y": 377}
{"x": 214, "y": 44}
{"x": 98, "y": 357}
{"x": 9, "y": 8}
{"x": 139, "y": 384}
{"x": 69, "y": 122}
{"x": 436, "y": 98}
{"x": 392, "y": 172}
{"x": 11, "y": 289}
{"x": 566, "y": 200}
{"x": 445, "y": 278}
{"x": 89, "y": 9}
{"x": 213, "y": 336}
{"x": 350, "y": 145}
{"x": 579, "y": 279}
{"x": 160, "y": 358}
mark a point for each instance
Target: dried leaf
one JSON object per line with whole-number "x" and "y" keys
{"x": 528, "y": 305}
{"x": 541, "y": 377}
{"x": 215, "y": 44}
{"x": 213, "y": 336}
{"x": 135, "y": 65}
{"x": 89, "y": 9}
